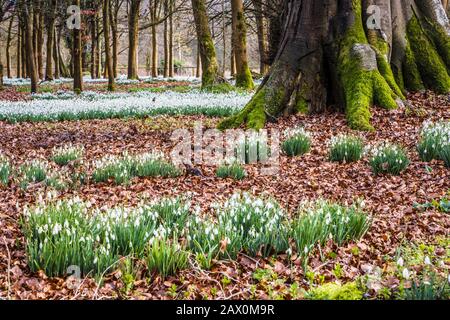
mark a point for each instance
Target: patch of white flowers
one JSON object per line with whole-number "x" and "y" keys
{"x": 91, "y": 105}
{"x": 434, "y": 137}
{"x": 66, "y": 153}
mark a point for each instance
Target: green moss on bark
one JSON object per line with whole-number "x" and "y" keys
{"x": 253, "y": 114}
{"x": 386, "y": 71}
{"x": 245, "y": 80}
{"x": 430, "y": 65}
{"x": 363, "y": 87}
{"x": 411, "y": 75}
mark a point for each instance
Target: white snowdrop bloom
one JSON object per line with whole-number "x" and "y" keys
{"x": 427, "y": 260}
{"x": 306, "y": 250}
{"x": 56, "y": 229}
{"x": 95, "y": 260}
{"x": 400, "y": 262}
{"x": 406, "y": 274}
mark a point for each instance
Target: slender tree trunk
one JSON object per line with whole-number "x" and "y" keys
{"x": 224, "y": 33}
{"x": 171, "y": 64}
{"x": 25, "y": 67}
{"x": 19, "y": 51}
{"x": 232, "y": 63}
{"x": 56, "y": 54}
{"x": 94, "y": 47}
{"x": 8, "y": 47}
{"x": 106, "y": 29}
{"x": 50, "y": 40}
{"x": 77, "y": 53}
{"x": 329, "y": 54}
{"x": 166, "y": 41}
{"x": 198, "y": 73}
{"x": 154, "y": 52}
{"x": 40, "y": 44}
{"x": 262, "y": 37}
{"x": 210, "y": 68}
{"x": 243, "y": 75}
{"x": 113, "y": 16}
{"x": 26, "y": 9}
{"x": 133, "y": 29}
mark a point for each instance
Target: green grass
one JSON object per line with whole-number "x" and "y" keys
{"x": 65, "y": 154}
{"x": 5, "y": 170}
{"x": 166, "y": 257}
{"x": 33, "y": 171}
{"x": 233, "y": 170}
{"x": 123, "y": 168}
{"x": 298, "y": 142}
{"x": 346, "y": 148}
{"x": 321, "y": 221}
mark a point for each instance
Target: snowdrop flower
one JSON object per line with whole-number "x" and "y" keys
{"x": 400, "y": 262}
{"x": 406, "y": 274}
{"x": 427, "y": 260}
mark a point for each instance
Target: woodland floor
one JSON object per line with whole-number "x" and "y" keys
{"x": 389, "y": 199}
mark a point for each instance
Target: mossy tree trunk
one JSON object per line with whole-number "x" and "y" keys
{"x": 333, "y": 53}
{"x": 210, "y": 68}
{"x": 243, "y": 75}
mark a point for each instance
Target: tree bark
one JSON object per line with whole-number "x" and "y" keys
{"x": 133, "y": 29}
{"x": 26, "y": 10}
{"x": 19, "y": 51}
{"x": 243, "y": 75}
{"x": 77, "y": 63}
{"x": 171, "y": 64}
{"x": 8, "y": 47}
{"x": 328, "y": 55}
{"x": 108, "y": 62}
{"x": 262, "y": 37}
{"x": 114, "y": 16}
{"x": 51, "y": 16}
{"x": 210, "y": 67}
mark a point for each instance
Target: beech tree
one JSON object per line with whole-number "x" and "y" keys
{"x": 210, "y": 67}
{"x": 243, "y": 75}
{"x": 133, "y": 29}
{"x": 354, "y": 54}
{"x": 108, "y": 60}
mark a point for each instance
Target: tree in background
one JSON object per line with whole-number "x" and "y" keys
{"x": 210, "y": 68}
{"x": 243, "y": 75}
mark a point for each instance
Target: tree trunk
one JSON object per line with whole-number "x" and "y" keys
{"x": 77, "y": 63}
{"x": 94, "y": 47}
{"x": 113, "y": 16}
{"x": 59, "y": 70}
{"x": 243, "y": 75}
{"x": 26, "y": 10}
{"x": 19, "y": 51}
{"x": 40, "y": 44}
{"x": 133, "y": 29}
{"x": 8, "y": 47}
{"x": 210, "y": 68}
{"x": 171, "y": 64}
{"x": 154, "y": 52}
{"x": 166, "y": 40}
{"x": 50, "y": 40}
{"x": 108, "y": 62}
{"x": 262, "y": 37}
{"x": 330, "y": 54}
